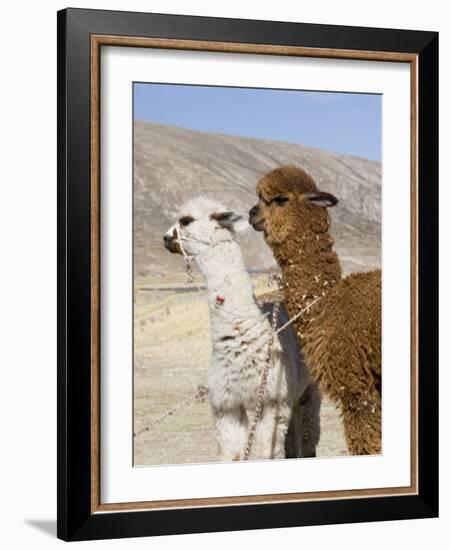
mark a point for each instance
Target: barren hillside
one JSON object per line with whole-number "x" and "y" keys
{"x": 173, "y": 164}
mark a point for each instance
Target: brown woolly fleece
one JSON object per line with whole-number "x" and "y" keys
{"x": 341, "y": 332}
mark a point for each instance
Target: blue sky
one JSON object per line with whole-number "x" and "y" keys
{"x": 340, "y": 122}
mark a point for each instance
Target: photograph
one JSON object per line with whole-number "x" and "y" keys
{"x": 256, "y": 274}
{"x": 224, "y": 292}
{"x": 247, "y": 274}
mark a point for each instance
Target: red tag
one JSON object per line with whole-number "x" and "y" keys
{"x": 220, "y": 299}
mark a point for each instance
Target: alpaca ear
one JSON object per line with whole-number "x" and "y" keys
{"x": 321, "y": 198}
{"x": 231, "y": 221}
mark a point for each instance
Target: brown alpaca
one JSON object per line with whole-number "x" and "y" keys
{"x": 341, "y": 332}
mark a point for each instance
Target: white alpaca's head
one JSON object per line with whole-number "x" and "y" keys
{"x": 202, "y": 223}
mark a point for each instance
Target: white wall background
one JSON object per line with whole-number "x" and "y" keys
{"x": 28, "y": 272}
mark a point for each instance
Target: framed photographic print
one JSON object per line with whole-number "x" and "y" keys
{"x": 247, "y": 256}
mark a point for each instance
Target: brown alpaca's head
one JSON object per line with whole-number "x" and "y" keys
{"x": 289, "y": 206}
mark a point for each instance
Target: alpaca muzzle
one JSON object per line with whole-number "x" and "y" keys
{"x": 255, "y": 218}
{"x": 171, "y": 243}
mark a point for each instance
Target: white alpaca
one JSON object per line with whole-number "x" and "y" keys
{"x": 240, "y": 335}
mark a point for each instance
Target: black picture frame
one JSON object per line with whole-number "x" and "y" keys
{"x": 76, "y": 520}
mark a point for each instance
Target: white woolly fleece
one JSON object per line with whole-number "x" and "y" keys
{"x": 240, "y": 335}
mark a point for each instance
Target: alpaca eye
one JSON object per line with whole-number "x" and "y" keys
{"x": 280, "y": 199}
{"x": 185, "y": 220}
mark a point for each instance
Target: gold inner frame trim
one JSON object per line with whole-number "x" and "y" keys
{"x": 97, "y": 41}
